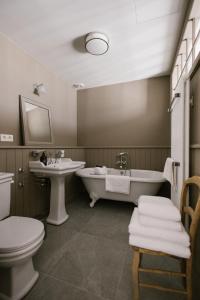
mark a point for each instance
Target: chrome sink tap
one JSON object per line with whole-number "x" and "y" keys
{"x": 50, "y": 158}
{"x": 58, "y": 156}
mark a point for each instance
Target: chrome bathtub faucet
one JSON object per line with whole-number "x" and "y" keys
{"x": 122, "y": 160}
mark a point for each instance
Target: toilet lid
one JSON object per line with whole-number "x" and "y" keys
{"x": 18, "y": 232}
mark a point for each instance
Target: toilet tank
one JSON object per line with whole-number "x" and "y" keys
{"x": 5, "y": 182}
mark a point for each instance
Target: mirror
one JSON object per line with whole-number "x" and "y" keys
{"x": 36, "y": 122}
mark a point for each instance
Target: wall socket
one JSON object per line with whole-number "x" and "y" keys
{"x": 6, "y": 137}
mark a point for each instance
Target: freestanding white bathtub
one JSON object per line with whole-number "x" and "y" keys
{"x": 143, "y": 182}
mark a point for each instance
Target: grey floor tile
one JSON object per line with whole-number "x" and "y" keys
{"x": 125, "y": 287}
{"x": 114, "y": 207}
{"x": 94, "y": 264}
{"x": 81, "y": 202}
{"x": 163, "y": 263}
{"x": 110, "y": 224}
{"x": 52, "y": 289}
{"x": 58, "y": 236}
{"x": 88, "y": 257}
{"x": 150, "y": 294}
{"x": 79, "y": 216}
{"x": 53, "y": 248}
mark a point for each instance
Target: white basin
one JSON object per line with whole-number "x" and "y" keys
{"x": 5, "y": 177}
{"x": 56, "y": 169}
{"x": 57, "y": 173}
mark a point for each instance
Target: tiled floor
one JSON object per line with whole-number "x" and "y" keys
{"x": 88, "y": 257}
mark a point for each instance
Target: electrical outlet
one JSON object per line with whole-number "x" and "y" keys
{"x": 10, "y": 138}
{"x": 6, "y": 137}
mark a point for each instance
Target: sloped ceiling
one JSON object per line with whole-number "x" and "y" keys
{"x": 143, "y": 36}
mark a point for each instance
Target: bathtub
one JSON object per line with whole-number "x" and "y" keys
{"x": 143, "y": 182}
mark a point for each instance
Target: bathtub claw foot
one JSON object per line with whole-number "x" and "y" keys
{"x": 92, "y": 204}
{"x": 94, "y": 198}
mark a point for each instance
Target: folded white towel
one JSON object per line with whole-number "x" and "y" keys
{"x": 118, "y": 184}
{"x": 159, "y": 223}
{"x": 180, "y": 237}
{"x": 159, "y": 245}
{"x": 169, "y": 171}
{"x": 100, "y": 170}
{"x": 158, "y": 207}
{"x": 155, "y": 200}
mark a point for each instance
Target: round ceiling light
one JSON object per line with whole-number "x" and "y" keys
{"x": 96, "y": 43}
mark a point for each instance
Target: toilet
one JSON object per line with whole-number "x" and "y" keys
{"x": 20, "y": 239}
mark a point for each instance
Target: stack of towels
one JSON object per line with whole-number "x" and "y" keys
{"x": 156, "y": 225}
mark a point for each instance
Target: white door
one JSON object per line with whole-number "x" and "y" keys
{"x": 180, "y": 137}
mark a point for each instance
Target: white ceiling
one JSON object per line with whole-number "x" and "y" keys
{"x": 143, "y": 36}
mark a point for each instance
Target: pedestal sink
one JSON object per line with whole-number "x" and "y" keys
{"x": 57, "y": 173}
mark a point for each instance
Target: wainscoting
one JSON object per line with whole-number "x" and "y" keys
{"x": 30, "y": 196}
{"x": 147, "y": 158}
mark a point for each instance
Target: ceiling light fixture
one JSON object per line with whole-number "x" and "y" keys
{"x": 39, "y": 89}
{"x": 96, "y": 43}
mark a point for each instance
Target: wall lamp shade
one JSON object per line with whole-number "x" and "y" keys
{"x": 79, "y": 85}
{"x": 39, "y": 89}
{"x": 96, "y": 43}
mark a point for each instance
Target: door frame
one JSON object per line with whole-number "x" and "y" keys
{"x": 187, "y": 80}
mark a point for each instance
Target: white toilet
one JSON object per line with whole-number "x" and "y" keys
{"x": 20, "y": 239}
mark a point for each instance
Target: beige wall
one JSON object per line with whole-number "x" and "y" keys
{"x": 18, "y": 73}
{"x": 130, "y": 114}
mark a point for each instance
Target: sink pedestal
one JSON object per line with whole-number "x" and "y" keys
{"x": 57, "y": 214}
{"x": 57, "y": 173}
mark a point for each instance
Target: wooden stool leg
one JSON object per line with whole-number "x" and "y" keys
{"x": 135, "y": 267}
{"x": 189, "y": 279}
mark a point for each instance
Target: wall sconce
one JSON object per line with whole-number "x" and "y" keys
{"x": 79, "y": 85}
{"x": 39, "y": 89}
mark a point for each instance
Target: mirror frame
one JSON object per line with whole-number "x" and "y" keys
{"x": 23, "y": 117}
